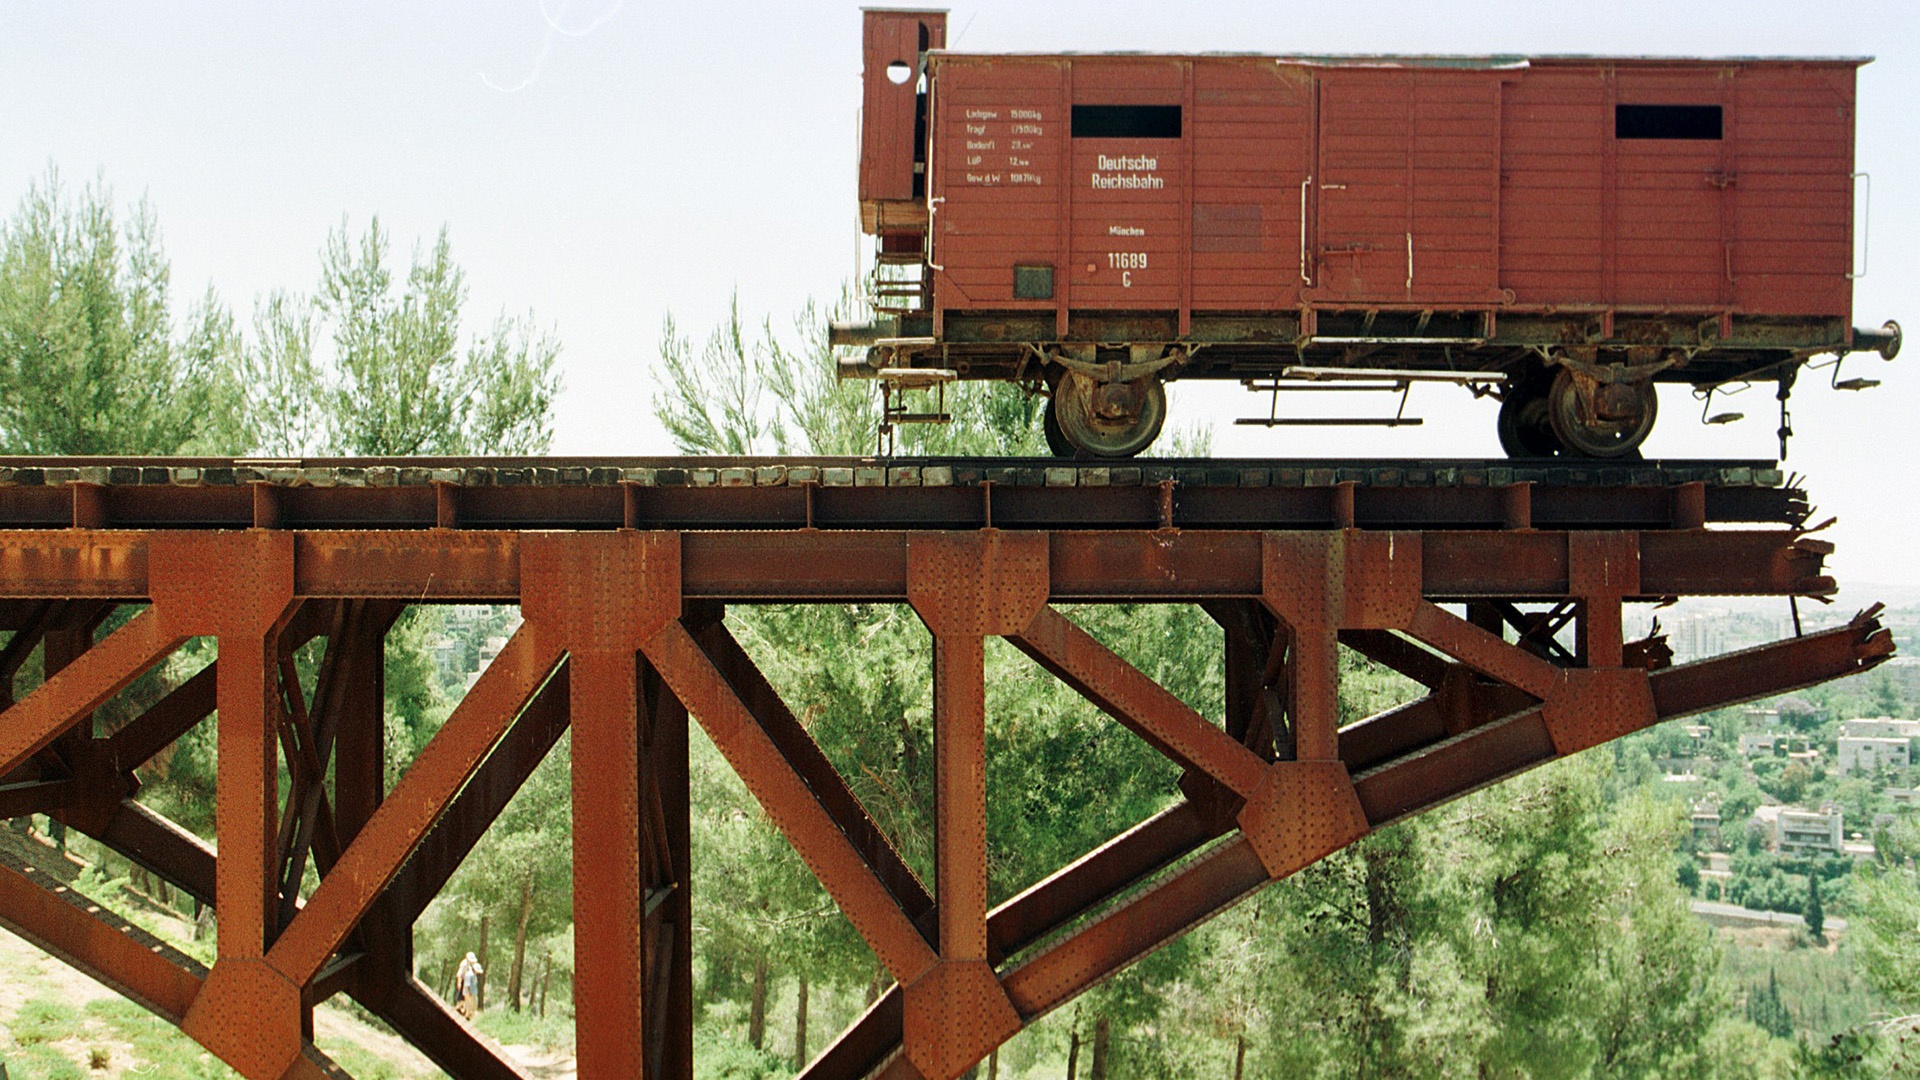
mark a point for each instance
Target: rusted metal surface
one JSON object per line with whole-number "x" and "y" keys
{"x": 624, "y": 643}
{"x": 1452, "y": 208}
{"x": 464, "y": 494}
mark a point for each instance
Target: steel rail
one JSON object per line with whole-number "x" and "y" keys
{"x": 856, "y": 493}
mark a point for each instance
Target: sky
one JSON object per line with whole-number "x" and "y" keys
{"x": 602, "y": 164}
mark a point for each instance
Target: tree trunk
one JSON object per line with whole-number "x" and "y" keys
{"x": 520, "y": 942}
{"x": 876, "y": 984}
{"x": 1239, "y": 1056}
{"x": 993, "y": 1064}
{"x": 800, "y": 1027}
{"x": 757, "y": 1009}
{"x": 546, "y": 976}
{"x": 486, "y": 962}
{"x": 1073, "y": 1054}
{"x": 1099, "y": 1070}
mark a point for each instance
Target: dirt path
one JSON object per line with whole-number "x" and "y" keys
{"x": 27, "y": 974}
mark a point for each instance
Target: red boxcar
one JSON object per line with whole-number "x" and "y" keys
{"x": 1560, "y": 232}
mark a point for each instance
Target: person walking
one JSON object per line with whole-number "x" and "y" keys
{"x": 467, "y": 979}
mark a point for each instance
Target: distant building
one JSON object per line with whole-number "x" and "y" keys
{"x": 1867, "y": 755}
{"x": 1774, "y": 742}
{"x": 1705, "y": 819}
{"x": 1793, "y": 830}
{"x": 1879, "y": 727}
{"x": 1903, "y": 796}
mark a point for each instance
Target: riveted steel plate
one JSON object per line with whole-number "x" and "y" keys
{"x": 1345, "y": 580}
{"x": 1596, "y": 706}
{"x": 1303, "y": 811}
{"x": 248, "y": 1015}
{"x": 222, "y": 582}
{"x": 607, "y": 591}
{"x": 977, "y": 583}
{"x": 956, "y": 1014}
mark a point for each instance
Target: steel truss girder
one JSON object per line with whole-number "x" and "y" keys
{"x": 623, "y": 642}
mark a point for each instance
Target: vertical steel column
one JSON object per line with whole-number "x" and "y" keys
{"x": 965, "y": 586}
{"x": 358, "y": 707}
{"x": 1318, "y": 584}
{"x": 239, "y": 587}
{"x": 671, "y": 1026}
{"x": 610, "y": 974}
{"x": 602, "y": 596}
{"x": 1602, "y": 568}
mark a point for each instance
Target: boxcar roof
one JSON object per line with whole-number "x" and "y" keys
{"x": 1487, "y": 63}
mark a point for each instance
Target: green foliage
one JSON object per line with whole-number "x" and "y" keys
{"x": 717, "y": 1057}
{"x": 90, "y": 362}
{"x": 1815, "y": 914}
{"x": 748, "y": 391}
{"x": 1527, "y": 930}
{"x": 1765, "y": 1011}
{"x": 370, "y": 366}
{"x": 1885, "y": 926}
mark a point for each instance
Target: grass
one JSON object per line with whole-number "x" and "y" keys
{"x": 1818, "y": 986}
{"x": 554, "y": 1032}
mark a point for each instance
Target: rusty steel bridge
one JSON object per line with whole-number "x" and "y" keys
{"x": 1453, "y": 573}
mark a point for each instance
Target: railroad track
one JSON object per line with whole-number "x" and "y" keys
{"x": 889, "y": 493}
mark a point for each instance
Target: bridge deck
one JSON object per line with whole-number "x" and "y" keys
{"x": 829, "y": 493}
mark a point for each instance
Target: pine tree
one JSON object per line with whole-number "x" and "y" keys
{"x": 1816, "y": 915}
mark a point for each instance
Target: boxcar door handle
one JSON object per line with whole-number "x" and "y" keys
{"x": 1409, "y": 262}
{"x": 1304, "y": 185}
{"x": 1866, "y": 222}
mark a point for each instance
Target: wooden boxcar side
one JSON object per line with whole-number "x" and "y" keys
{"x": 1270, "y": 185}
{"x": 1559, "y": 233}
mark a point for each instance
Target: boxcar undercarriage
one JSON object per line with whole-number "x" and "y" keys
{"x": 1569, "y": 383}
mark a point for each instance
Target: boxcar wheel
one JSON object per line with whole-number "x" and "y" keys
{"x": 1057, "y": 443}
{"x": 1610, "y": 422}
{"x": 1108, "y": 420}
{"x": 1524, "y": 427}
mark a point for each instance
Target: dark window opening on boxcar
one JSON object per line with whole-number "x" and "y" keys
{"x": 1126, "y": 121}
{"x": 1666, "y": 121}
{"x": 1033, "y": 283}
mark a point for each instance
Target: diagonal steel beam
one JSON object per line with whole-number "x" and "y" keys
{"x": 480, "y": 802}
{"x": 421, "y": 1018}
{"x": 76, "y": 690}
{"x": 1026, "y": 918}
{"x": 1455, "y": 766}
{"x": 1143, "y": 706}
{"x": 1414, "y": 780}
{"x": 1396, "y": 652}
{"x": 157, "y": 844}
{"x": 1482, "y": 651}
{"x": 82, "y": 934}
{"x": 163, "y": 723}
{"x": 430, "y": 784}
{"x": 799, "y": 749}
{"x": 790, "y": 803}
{"x": 1216, "y": 881}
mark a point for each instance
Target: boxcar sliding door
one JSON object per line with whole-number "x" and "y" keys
{"x": 1407, "y": 188}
